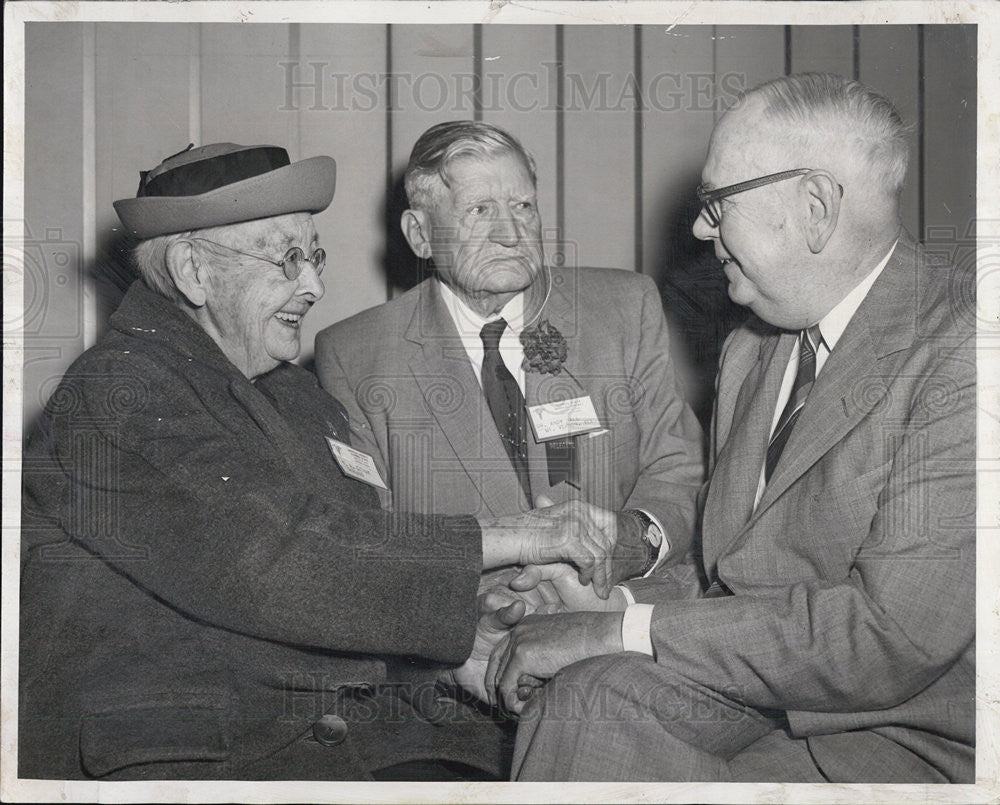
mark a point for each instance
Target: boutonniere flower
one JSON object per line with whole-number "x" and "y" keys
{"x": 545, "y": 349}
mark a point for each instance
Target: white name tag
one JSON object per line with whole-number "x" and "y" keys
{"x": 355, "y": 464}
{"x": 566, "y": 418}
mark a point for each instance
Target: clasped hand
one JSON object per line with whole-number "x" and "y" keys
{"x": 550, "y": 541}
{"x": 545, "y": 590}
{"x": 574, "y": 532}
{"x": 505, "y": 638}
{"x": 539, "y": 646}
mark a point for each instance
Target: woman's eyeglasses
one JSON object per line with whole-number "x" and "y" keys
{"x": 291, "y": 263}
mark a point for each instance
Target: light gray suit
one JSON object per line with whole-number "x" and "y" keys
{"x": 401, "y": 370}
{"x": 846, "y": 650}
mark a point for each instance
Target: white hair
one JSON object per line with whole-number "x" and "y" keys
{"x": 440, "y": 145}
{"x": 832, "y": 105}
{"x": 150, "y": 258}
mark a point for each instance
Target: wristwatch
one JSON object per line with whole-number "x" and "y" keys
{"x": 652, "y": 537}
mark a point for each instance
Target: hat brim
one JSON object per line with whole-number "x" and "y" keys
{"x": 304, "y": 186}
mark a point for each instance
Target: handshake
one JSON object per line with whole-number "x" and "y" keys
{"x": 557, "y": 605}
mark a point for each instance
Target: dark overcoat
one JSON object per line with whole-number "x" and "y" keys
{"x": 199, "y": 580}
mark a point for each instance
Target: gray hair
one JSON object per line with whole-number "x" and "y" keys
{"x": 876, "y": 128}
{"x": 150, "y": 258}
{"x": 445, "y": 142}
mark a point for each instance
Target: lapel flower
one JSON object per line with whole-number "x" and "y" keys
{"x": 544, "y": 348}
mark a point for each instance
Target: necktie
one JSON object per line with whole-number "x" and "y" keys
{"x": 506, "y": 402}
{"x": 804, "y": 379}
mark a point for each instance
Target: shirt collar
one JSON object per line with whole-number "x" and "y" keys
{"x": 833, "y": 324}
{"x": 468, "y": 322}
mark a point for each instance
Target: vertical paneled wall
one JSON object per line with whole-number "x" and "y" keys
{"x": 618, "y": 118}
{"x": 54, "y": 281}
{"x": 352, "y": 127}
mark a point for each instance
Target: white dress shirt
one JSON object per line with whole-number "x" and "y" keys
{"x": 638, "y": 617}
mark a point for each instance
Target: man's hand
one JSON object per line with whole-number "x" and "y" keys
{"x": 559, "y": 588}
{"x": 492, "y": 628}
{"x": 575, "y": 532}
{"x": 631, "y": 554}
{"x": 541, "y": 645}
{"x": 496, "y": 593}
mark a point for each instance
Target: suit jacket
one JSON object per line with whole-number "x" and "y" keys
{"x": 199, "y": 578}
{"x": 402, "y": 373}
{"x": 853, "y": 581}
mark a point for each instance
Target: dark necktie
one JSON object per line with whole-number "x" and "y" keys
{"x": 804, "y": 379}
{"x": 506, "y": 402}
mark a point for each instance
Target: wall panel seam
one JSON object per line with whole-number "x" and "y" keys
{"x": 194, "y": 85}
{"x": 89, "y": 184}
{"x": 637, "y": 187}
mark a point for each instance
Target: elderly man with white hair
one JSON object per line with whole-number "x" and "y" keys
{"x": 209, "y": 587}
{"x": 501, "y": 381}
{"x": 828, "y": 631}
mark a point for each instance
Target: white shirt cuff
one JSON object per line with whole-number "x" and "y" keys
{"x": 635, "y": 628}
{"x": 664, "y": 542}
{"x": 629, "y": 598}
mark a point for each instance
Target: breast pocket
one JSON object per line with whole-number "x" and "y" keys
{"x": 841, "y": 513}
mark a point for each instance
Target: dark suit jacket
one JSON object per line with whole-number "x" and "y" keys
{"x": 198, "y": 576}
{"x": 853, "y": 582}
{"x": 402, "y": 373}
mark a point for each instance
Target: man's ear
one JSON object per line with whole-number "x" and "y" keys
{"x": 823, "y": 196}
{"x": 417, "y": 231}
{"x": 188, "y": 272}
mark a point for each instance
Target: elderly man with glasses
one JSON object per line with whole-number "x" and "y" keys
{"x": 209, "y": 589}
{"x": 828, "y": 631}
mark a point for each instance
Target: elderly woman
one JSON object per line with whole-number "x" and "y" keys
{"x": 209, "y": 587}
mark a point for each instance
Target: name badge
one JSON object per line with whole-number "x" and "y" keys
{"x": 355, "y": 464}
{"x": 565, "y": 418}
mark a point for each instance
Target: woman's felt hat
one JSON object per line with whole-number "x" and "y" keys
{"x": 225, "y": 183}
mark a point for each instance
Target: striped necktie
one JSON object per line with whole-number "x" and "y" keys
{"x": 809, "y": 341}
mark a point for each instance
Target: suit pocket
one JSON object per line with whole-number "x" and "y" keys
{"x": 182, "y": 729}
{"x": 841, "y": 513}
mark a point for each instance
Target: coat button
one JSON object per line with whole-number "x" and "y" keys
{"x": 330, "y": 730}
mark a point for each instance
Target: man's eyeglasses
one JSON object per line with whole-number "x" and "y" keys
{"x": 710, "y": 199}
{"x": 291, "y": 263}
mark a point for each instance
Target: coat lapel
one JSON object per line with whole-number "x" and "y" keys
{"x": 276, "y": 428}
{"x": 855, "y": 377}
{"x": 546, "y": 388}
{"x": 219, "y": 381}
{"x": 733, "y": 485}
{"x": 438, "y": 354}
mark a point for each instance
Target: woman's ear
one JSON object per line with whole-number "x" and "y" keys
{"x": 416, "y": 229}
{"x": 823, "y": 195}
{"x": 188, "y": 272}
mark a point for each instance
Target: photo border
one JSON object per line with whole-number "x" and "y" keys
{"x": 667, "y": 14}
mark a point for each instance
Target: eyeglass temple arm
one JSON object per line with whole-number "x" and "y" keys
{"x": 750, "y": 184}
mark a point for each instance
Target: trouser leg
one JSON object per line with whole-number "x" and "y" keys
{"x": 624, "y": 717}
